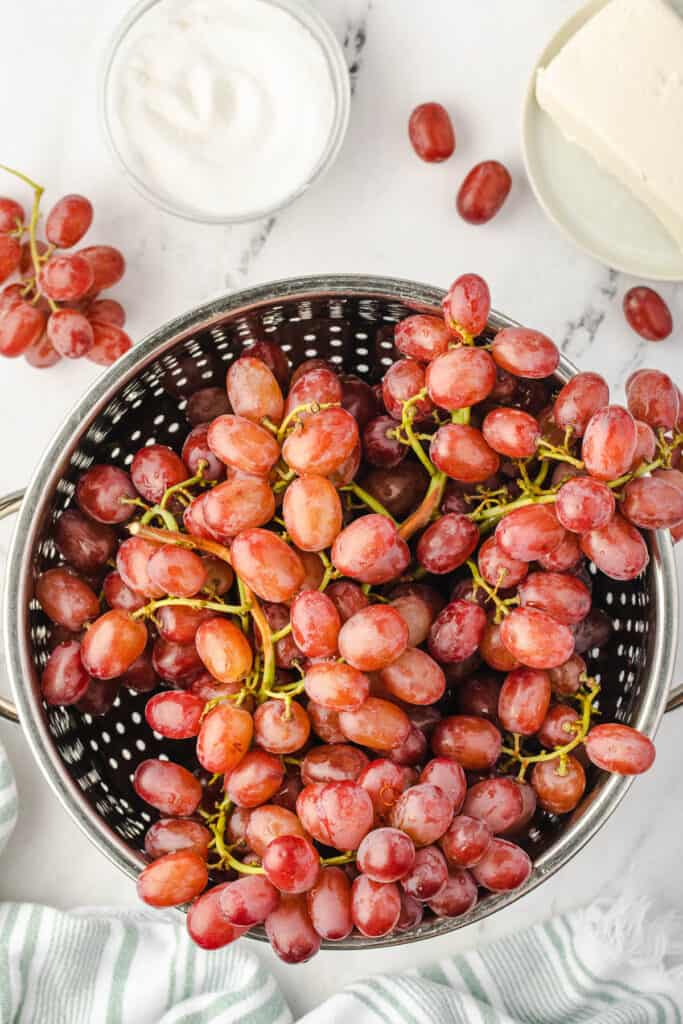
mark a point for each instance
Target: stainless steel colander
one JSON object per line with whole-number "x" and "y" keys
{"x": 89, "y": 762}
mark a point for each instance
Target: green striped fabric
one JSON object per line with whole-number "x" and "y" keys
{"x": 101, "y": 966}
{"x": 8, "y": 798}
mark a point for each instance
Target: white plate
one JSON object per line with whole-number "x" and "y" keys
{"x": 594, "y": 209}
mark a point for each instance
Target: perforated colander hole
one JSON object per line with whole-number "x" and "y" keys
{"x": 144, "y": 815}
{"x": 117, "y": 702}
{"x": 159, "y": 419}
{"x": 140, "y": 744}
{"x": 334, "y": 329}
{"x": 386, "y": 361}
{"x": 173, "y": 428}
{"x": 87, "y": 719}
{"x": 128, "y": 459}
{"x": 361, "y": 351}
{"x": 104, "y": 786}
{"x": 310, "y": 352}
{"x": 120, "y": 728}
{"x": 136, "y": 435}
{"x": 362, "y": 367}
{"x": 94, "y": 745}
{"x": 285, "y": 347}
{"x": 113, "y": 763}
{"x": 336, "y": 359}
{"x": 106, "y": 737}
{"x": 310, "y": 337}
{"x": 336, "y": 342}
{"x": 162, "y": 757}
{"x": 623, "y": 597}
{"x": 135, "y": 716}
{"x": 126, "y": 754}
{"x": 361, "y": 336}
{"x": 609, "y": 597}
{"x": 386, "y": 344}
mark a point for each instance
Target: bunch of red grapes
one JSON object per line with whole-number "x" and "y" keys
{"x": 53, "y": 309}
{"x": 369, "y": 606}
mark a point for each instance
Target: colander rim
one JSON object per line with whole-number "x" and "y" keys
{"x": 38, "y": 499}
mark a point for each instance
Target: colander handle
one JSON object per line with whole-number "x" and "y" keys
{"x": 9, "y": 504}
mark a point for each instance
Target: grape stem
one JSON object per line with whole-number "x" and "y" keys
{"x": 427, "y": 507}
{"x": 586, "y": 699}
{"x": 368, "y": 500}
{"x": 281, "y": 633}
{"x": 157, "y": 512}
{"x": 487, "y": 515}
{"x": 502, "y": 605}
{"x": 330, "y": 572}
{"x": 311, "y": 407}
{"x": 552, "y": 451}
{"x": 407, "y": 428}
{"x": 185, "y": 485}
{"x": 198, "y": 604}
{"x": 38, "y": 192}
{"x": 342, "y": 858}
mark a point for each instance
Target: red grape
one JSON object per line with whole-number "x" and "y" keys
{"x": 375, "y": 906}
{"x": 449, "y": 776}
{"x": 174, "y": 715}
{"x": 619, "y": 748}
{"x": 511, "y": 432}
{"x": 359, "y": 399}
{"x": 559, "y": 787}
{"x": 457, "y": 631}
{"x": 617, "y": 549}
{"x": 483, "y": 192}
{"x": 584, "y": 504}
{"x": 279, "y": 732}
{"x": 462, "y": 453}
{"x": 106, "y": 311}
{"x": 321, "y": 442}
{"x": 66, "y": 599}
{"x": 154, "y": 469}
{"x": 68, "y": 221}
{"x": 207, "y": 924}
{"x": 336, "y": 686}
{"x": 132, "y": 562}
{"x": 109, "y": 343}
{"x": 266, "y": 823}
{"x": 377, "y": 724}
{"x": 313, "y": 385}
{"x": 467, "y": 305}
{"x": 253, "y": 390}
{"x": 84, "y": 544}
{"x": 609, "y": 443}
{"x": 525, "y": 353}
{"x": 329, "y": 904}
{"x": 10, "y": 255}
{"x": 398, "y": 489}
{"x": 373, "y": 638}
{"x": 103, "y": 492}
{"x": 333, "y": 762}
{"x": 107, "y": 264}
{"x": 224, "y": 738}
{"x": 312, "y": 512}
{"x": 424, "y": 812}
{"x": 290, "y": 932}
{"x": 431, "y": 132}
{"x": 40, "y": 353}
{"x": 112, "y": 643}
{"x": 325, "y": 722}
{"x": 418, "y": 616}
{"x": 497, "y": 802}
{"x": 379, "y": 446}
{"x": 249, "y": 900}
{"x": 524, "y": 701}
{"x": 386, "y": 855}
{"x": 458, "y": 895}
{"x": 196, "y": 449}
{"x": 64, "y": 681}
{"x": 179, "y": 624}
{"x": 338, "y": 814}
{"x": 370, "y": 550}
{"x": 66, "y": 278}
{"x": 498, "y": 568}
{"x": 504, "y": 867}
{"x": 647, "y": 313}
{"x": 169, "y": 835}
{"x": 173, "y": 879}
{"x": 447, "y": 543}
{"x": 461, "y": 378}
{"x": 654, "y": 503}
{"x": 267, "y": 564}
{"x": 315, "y": 624}
{"x": 565, "y": 680}
{"x": 557, "y": 729}
{"x": 12, "y": 215}
{"x": 243, "y": 445}
{"x": 402, "y": 381}
{"x": 414, "y": 677}
{"x": 422, "y": 337}
{"x": 578, "y": 400}
{"x": 70, "y": 333}
{"x": 528, "y": 533}
{"x": 473, "y": 742}
{"x": 536, "y": 639}
{"x": 167, "y": 786}
{"x": 565, "y": 556}
{"x": 478, "y": 695}
{"x": 646, "y": 444}
{"x": 466, "y": 840}
{"x": 177, "y": 571}
{"x": 494, "y": 652}
{"x": 561, "y": 595}
{"x": 21, "y": 326}
{"x": 291, "y": 863}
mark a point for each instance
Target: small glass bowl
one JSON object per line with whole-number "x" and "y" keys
{"x": 339, "y": 76}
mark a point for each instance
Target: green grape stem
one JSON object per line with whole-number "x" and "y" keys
{"x": 586, "y": 700}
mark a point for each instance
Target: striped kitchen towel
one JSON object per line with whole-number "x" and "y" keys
{"x": 614, "y": 963}
{"x": 8, "y": 799}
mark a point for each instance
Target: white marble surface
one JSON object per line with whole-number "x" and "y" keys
{"x": 381, "y": 211}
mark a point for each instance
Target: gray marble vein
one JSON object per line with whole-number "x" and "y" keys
{"x": 580, "y": 333}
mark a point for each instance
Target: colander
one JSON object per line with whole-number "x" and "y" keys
{"x": 89, "y": 762}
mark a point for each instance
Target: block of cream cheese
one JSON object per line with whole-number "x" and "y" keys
{"x": 616, "y": 88}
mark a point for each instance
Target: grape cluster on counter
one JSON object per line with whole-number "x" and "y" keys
{"x": 369, "y": 606}
{"x": 54, "y": 309}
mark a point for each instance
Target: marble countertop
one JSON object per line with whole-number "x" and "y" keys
{"x": 380, "y": 211}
